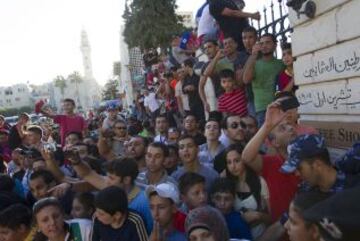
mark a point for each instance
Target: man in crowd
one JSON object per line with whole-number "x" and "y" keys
{"x": 188, "y": 152}
{"x": 261, "y": 73}
{"x": 17, "y": 132}
{"x": 155, "y": 172}
{"x": 163, "y": 199}
{"x": 161, "y": 128}
{"x": 69, "y": 121}
{"x": 231, "y": 18}
{"x": 190, "y": 88}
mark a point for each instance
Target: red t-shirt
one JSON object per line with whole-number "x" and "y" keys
{"x": 179, "y": 221}
{"x": 68, "y": 124}
{"x": 282, "y": 187}
{"x": 233, "y": 102}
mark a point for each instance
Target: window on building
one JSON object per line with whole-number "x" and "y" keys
{"x": 17, "y": 99}
{"x": 8, "y": 92}
{"x": 8, "y": 101}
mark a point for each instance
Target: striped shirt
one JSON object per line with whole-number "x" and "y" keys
{"x": 233, "y": 102}
{"x": 133, "y": 229}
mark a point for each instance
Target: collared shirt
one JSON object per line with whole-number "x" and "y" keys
{"x": 160, "y": 138}
{"x": 142, "y": 180}
{"x": 205, "y": 156}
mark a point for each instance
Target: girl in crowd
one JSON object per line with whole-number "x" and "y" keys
{"x": 52, "y": 226}
{"x": 83, "y": 205}
{"x": 252, "y": 198}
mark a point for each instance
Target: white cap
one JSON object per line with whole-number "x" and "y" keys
{"x": 165, "y": 190}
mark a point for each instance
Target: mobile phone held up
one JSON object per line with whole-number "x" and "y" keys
{"x": 289, "y": 103}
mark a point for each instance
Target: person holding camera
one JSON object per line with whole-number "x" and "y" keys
{"x": 111, "y": 142}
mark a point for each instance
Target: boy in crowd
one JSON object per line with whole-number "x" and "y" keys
{"x": 192, "y": 191}
{"x": 155, "y": 172}
{"x": 15, "y": 223}
{"x": 161, "y": 128}
{"x": 163, "y": 199}
{"x": 233, "y": 100}
{"x": 188, "y": 152}
{"x": 222, "y": 196}
{"x": 69, "y": 121}
{"x": 41, "y": 184}
{"x": 285, "y": 80}
{"x": 122, "y": 173}
{"x": 114, "y": 220}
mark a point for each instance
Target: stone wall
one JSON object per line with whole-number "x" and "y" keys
{"x": 327, "y": 69}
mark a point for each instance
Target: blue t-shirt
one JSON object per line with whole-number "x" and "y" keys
{"x": 238, "y": 228}
{"x": 141, "y": 204}
{"x": 176, "y": 236}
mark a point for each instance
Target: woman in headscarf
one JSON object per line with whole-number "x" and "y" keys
{"x": 206, "y": 223}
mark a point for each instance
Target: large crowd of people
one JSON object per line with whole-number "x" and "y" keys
{"x": 190, "y": 162}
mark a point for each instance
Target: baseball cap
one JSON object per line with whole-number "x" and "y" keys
{"x": 304, "y": 146}
{"x": 350, "y": 161}
{"x": 165, "y": 190}
{"x": 338, "y": 216}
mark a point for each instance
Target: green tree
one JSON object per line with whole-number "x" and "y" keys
{"x": 76, "y": 79}
{"x": 110, "y": 90}
{"x": 60, "y": 82}
{"x": 150, "y": 24}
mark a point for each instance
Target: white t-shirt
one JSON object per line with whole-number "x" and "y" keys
{"x": 179, "y": 93}
{"x": 151, "y": 102}
{"x": 207, "y": 23}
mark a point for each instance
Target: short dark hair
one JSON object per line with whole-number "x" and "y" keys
{"x": 161, "y": 146}
{"x": 36, "y": 129}
{"x": 305, "y": 200}
{"x": 227, "y": 73}
{"x": 76, "y": 133}
{"x": 188, "y": 180}
{"x": 189, "y": 63}
{"x": 86, "y": 199}
{"x": 145, "y": 140}
{"x": 223, "y": 184}
{"x": 190, "y": 113}
{"x": 210, "y": 40}
{"x": 272, "y": 36}
{"x": 285, "y": 46}
{"x": 224, "y": 122}
{"x": 250, "y": 29}
{"x": 46, "y": 175}
{"x": 6, "y": 183}
{"x": 111, "y": 200}
{"x": 69, "y": 100}
{"x": 123, "y": 167}
{"x": 162, "y": 116}
{"x": 186, "y": 136}
{"x": 14, "y": 216}
{"x": 323, "y": 155}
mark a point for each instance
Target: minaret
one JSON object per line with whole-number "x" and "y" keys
{"x": 86, "y": 54}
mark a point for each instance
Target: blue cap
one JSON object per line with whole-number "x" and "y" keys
{"x": 304, "y": 146}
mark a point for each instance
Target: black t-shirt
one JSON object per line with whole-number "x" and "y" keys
{"x": 230, "y": 26}
{"x": 194, "y": 97}
{"x": 133, "y": 229}
{"x": 14, "y": 138}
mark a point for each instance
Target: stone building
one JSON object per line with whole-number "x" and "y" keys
{"x": 327, "y": 69}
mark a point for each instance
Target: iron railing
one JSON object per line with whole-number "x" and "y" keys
{"x": 274, "y": 19}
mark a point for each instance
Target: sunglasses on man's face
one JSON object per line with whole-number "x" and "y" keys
{"x": 236, "y": 125}
{"x": 120, "y": 127}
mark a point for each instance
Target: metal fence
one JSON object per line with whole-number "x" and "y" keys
{"x": 274, "y": 19}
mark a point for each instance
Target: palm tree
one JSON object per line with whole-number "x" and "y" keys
{"x": 75, "y": 78}
{"x": 60, "y": 82}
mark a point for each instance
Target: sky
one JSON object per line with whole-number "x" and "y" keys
{"x": 40, "y": 39}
